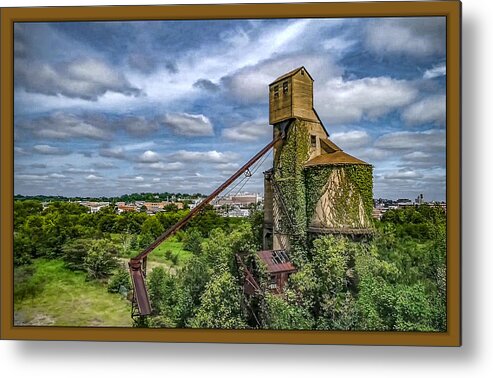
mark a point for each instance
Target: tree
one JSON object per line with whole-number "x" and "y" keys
{"x": 75, "y": 253}
{"x": 152, "y": 226}
{"x": 101, "y": 259}
{"x": 192, "y": 241}
{"x": 23, "y": 209}
{"x": 220, "y": 305}
{"x": 163, "y": 296}
{"x": 277, "y": 313}
{"x": 145, "y": 239}
{"x": 256, "y": 220}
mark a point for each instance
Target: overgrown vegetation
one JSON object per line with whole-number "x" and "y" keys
{"x": 91, "y": 250}
{"x": 289, "y": 176}
{"x": 69, "y": 272}
{"x": 394, "y": 281}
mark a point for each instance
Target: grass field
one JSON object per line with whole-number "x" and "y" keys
{"x": 65, "y": 298}
{"x": 170, "y": 252}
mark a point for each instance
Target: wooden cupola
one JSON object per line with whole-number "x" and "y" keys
{"x": 291, "y": 96}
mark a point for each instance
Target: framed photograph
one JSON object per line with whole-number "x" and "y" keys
{"x": 254, "y": 173}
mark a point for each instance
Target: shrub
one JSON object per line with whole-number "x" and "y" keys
{"x": 119, "y": 282}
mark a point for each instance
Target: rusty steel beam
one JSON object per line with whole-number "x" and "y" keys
{"x": 135, "y": 263}
{"x": 173, "y": 229}
{"x": 140, "y": 292}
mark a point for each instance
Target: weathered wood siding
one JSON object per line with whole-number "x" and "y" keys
{"x": 295, "y": 102}
{"x": 315, "y": 129}
{"x": 280, "y": 107}
{"x": 303, "y": 97}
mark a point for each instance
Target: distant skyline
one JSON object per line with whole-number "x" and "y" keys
{"x": 111, "y": 108}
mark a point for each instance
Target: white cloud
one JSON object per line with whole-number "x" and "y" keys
{"x": 112, "y": 152}
{"x": 93, "y": 178}
{"x": 351, "y": 139}
{"x": 411, "y": 36}
{"x": 342, "y": 101}
{"x": 85, "y": 78}
{"x": 250, "y": 84}
{"x": 248, "y": 131}
{"x": 204, "y": 156}
{"x": 49, "y": 150}
{"x": 431, "y": 109}
{"x": 435, "y": 71}
{"x": 148, "y": 157}
{"x": 60, "y": 125}
{"x": 188, "y": 124}
{"x": 57, "y": 175}
{"x": 165, "y": 167}
{"x": 403, "y": 174}
{"x": 138, "y": 125}
{"x": 73, "y": 170}
{"x": 417, "y": 156}
{"x": 431, "y": 140}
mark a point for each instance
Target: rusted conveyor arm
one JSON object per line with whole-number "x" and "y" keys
{"x": 173, "y": 229}
{"x": 135, "y": 263}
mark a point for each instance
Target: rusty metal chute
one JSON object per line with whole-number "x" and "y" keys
{"x": 141, "y": 305}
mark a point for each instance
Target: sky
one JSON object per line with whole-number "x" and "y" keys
{"x": 108, "y": 108}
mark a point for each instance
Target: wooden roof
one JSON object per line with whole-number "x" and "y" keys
{"x": 335, "y": 158}
{"x": 329, "y": 146}
{"x": 291, "y": 73}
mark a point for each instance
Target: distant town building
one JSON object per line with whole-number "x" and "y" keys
{"x": 94, "y": 207}
{"x": 242, "y": 200}
{"x": 126, "y": 208}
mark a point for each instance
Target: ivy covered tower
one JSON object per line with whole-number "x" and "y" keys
{"x": 314, "y": 186}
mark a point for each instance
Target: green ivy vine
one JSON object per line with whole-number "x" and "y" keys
{"x": 355, "y": 182}
{"x": 289, "y": 175}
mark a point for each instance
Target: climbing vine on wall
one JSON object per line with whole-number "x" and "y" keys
{"x": 289, "y": 176}
{"x": 362, "y": 177}
{"x": 346, "y": 188}
{"x": 316, "y": 178}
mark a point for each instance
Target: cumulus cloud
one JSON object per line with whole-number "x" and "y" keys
{"x": 423, "y": 140}
{"x": 403, "y": 174}
{"x": 104, "y": 165}
{"x": 431, "y": 109}
{"x": 74, "y": 170}
{"x": 351, "y": 139}
{"x": 248, "y": 131}
{"x": 92, "y": 177}
{"x": 167, "y": 166}
{"x": 435, "y": 71}
{"x": 148, "y": 157}
{"x": 85, "y": 78}
{"x": 46, "y": 149}
{"x": 138, "y": 125}
{"x": 206, "y": 85}
{"x": 249, "y": 84}
{"x": 130, "y": 179}
{"x": 417, "y": 156}
{"x": 112, "y": 152}
{"x": 60, "y": 125}
{"x": 188, "y": 124}
{"x": 204, "y": 156}
{"x": 416, "y": 37}
{"x": 342, "y": 101}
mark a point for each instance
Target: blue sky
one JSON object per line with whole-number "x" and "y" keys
{"x": 107, "y": 108}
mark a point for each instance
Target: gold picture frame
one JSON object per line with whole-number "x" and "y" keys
{"x": 449, "y": 9}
